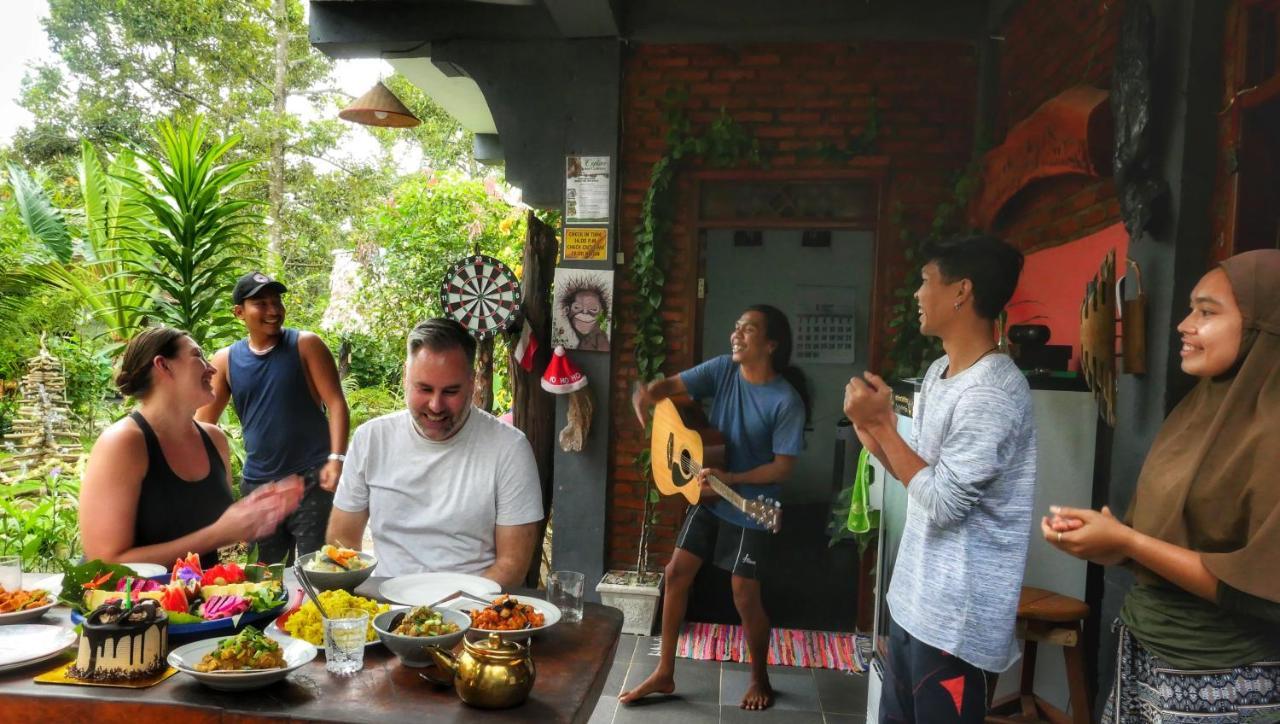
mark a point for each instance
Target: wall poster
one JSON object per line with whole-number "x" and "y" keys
{"x": 583, "y": 309}
{"x": 587, "y": 190}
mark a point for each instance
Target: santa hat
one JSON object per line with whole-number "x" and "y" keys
{"x": 526, "y": 347}
{"x": 562, "y": 376}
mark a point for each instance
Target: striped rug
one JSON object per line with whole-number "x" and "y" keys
{"x": 787, "y": 647}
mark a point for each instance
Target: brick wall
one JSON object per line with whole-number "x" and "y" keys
{"x": 792, "y": 97}
{"x": 1048, "y": 47}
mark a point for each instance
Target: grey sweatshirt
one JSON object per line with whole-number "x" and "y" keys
{"x": 958, "y": 573}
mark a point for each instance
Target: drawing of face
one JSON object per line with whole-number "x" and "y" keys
{"x": 584, "y": 310}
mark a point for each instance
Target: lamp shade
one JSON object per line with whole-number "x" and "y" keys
{"x": 379, "y": 107}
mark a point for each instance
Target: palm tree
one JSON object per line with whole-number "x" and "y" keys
{"x": 196, "y": 231}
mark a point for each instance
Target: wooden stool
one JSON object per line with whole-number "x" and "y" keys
{"x": 1056, "y": 619}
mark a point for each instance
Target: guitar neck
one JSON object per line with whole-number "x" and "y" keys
{"x": 724, "y": 491}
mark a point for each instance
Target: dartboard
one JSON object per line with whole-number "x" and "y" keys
{"x": 482, "y": 294}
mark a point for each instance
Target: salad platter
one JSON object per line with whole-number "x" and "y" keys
{"x": 197, "y": 602}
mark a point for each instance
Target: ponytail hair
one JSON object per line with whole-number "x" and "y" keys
{"x": 777, "y": 329}
{"x": 133, "y": 378}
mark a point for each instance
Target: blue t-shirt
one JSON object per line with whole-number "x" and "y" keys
{"x": 757, "y": 421}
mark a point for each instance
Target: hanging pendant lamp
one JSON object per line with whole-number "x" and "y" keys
{"x": 379, "y": 107}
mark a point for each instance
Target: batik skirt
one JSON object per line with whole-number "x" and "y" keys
{"x": 1149, "y": 691}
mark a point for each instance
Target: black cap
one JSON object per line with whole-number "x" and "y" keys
{"x": 251, "y": 284}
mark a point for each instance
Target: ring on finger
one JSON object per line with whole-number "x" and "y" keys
{"x": 1059, "y": 537}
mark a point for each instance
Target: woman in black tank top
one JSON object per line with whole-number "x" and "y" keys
{"x": 139, "y": 504}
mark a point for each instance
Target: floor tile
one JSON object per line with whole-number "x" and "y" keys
{"x": 696, "y": 681}
{"x": 841, "y": 693}
{"x": 626, "y": 648}
{"x": 663, "y": 710}
{"x": 794, "y": 689}
{"x": 617, "y": 677}
{"x": 604, "y": 711}
{"x": 844, "y": 718}
{"x": 735, "y": 715}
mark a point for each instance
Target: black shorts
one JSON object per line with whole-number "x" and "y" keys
{"x": 729, "y": 547}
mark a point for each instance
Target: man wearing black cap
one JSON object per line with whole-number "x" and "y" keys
{"x": 282, "y": 382}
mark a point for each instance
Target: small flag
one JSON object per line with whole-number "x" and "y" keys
{"x": 526, "y": 347}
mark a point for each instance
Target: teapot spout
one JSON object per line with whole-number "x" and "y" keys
{"x": 445, "y": 669}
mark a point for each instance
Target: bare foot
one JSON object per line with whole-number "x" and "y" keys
{"x": 759, "y": 696}
{"x": 659, "y": 682}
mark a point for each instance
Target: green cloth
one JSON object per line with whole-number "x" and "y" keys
{"x": 1192, "y": 634}
{"x": 861, "y": 517}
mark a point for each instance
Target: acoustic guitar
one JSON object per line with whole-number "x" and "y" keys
{"x": 683, "y": 443}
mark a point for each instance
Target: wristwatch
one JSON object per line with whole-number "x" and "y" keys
{"x": 338, "y": 456}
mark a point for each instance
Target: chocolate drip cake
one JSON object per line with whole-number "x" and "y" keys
{"x": 119, "y": 644}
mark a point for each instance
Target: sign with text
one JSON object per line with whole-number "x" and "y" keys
{"x": 586, "y": 244}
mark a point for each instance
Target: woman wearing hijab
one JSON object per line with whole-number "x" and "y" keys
{"x": 1200, "y": 631}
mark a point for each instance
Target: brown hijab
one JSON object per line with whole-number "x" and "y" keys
{"x": 1211, "y": 481}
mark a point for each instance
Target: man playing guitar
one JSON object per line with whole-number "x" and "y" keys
{"x": 758, "y": 405}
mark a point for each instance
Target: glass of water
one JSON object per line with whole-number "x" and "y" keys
{"x": 344, "y": 639}
{"x": 564, "y": 590}
{"x": 11, "y": 573}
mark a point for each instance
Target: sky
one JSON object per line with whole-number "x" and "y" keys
{"x": 22, "y": 41}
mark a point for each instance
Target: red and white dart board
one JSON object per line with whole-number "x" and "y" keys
{"x": 482, "y": 293}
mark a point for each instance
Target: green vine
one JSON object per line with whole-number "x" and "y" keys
{"x": 910, "y": 352}
{"x": 723, "y": 143}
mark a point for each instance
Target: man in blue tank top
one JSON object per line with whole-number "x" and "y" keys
{"x": 282, "y": 382}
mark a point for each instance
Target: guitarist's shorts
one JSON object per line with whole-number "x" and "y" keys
{"x": 729, "y": 547}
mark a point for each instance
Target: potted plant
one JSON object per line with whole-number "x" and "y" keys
{"x": 637, "y": 592}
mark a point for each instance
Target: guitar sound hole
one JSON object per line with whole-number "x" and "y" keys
{"x": 686, "y": 464}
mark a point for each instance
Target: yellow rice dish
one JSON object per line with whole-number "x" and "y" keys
{"x": 306, "y": 624}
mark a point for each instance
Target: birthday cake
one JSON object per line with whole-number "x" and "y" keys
{"x": 120, "y": 644}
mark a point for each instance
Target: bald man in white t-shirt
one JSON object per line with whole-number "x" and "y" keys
{"x": 442, "y": 486}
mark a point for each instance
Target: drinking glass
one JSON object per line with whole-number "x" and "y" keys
{"x": 11, "y": 573}
{"x": 564, "y": 590}
{"x": 344, "y": 639}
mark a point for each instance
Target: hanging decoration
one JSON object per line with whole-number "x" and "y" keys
{"x": 483, "y": 294}
{"x": 563, "y": 377}
{"x": 379, "y": 107}
{"x": 1098, "y": 338}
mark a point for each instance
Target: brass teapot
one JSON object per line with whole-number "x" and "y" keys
{"x": 489, "y": 673}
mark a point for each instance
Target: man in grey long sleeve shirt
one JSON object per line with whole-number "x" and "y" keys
{"x": 970, "y": 478}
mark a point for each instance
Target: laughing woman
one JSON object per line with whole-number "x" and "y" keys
{"x": 1200, "y": 631}
{"x": 157, "y": 483}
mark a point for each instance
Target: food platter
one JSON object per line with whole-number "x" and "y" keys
{"x": 424, "y": 589}
{"x": 297, "y": 653}
{"x": 207, "y": 627}
{"x": 550, "y": 614}
{"x": 279, "y": 634}
{"x": 27, "y": 615}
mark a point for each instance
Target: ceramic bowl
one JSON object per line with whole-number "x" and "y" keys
{"x": 412, "y": 650}
{"x": 344, "y": 580}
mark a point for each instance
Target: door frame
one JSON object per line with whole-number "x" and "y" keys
{"x": 872, "y": 169}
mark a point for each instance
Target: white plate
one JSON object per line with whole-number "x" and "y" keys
{"x": 424, "y": 589}
{"x": 297, "y": 653}
{"x": 28, "y": 643}
{"x": 550, "y": 614}
{"x": 53, "y": 583}
{"x": 30, "y": 614}
{"x": 276, "y": 632}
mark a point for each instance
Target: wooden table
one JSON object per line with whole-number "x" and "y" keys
{"x": 572, "y": 663}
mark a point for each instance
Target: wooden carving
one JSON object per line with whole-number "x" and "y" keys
{"x": 1070, "y": 134}
{"x": 1098, "y": 338}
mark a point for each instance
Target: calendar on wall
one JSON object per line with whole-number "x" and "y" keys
{"x": 825, "y": 328}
